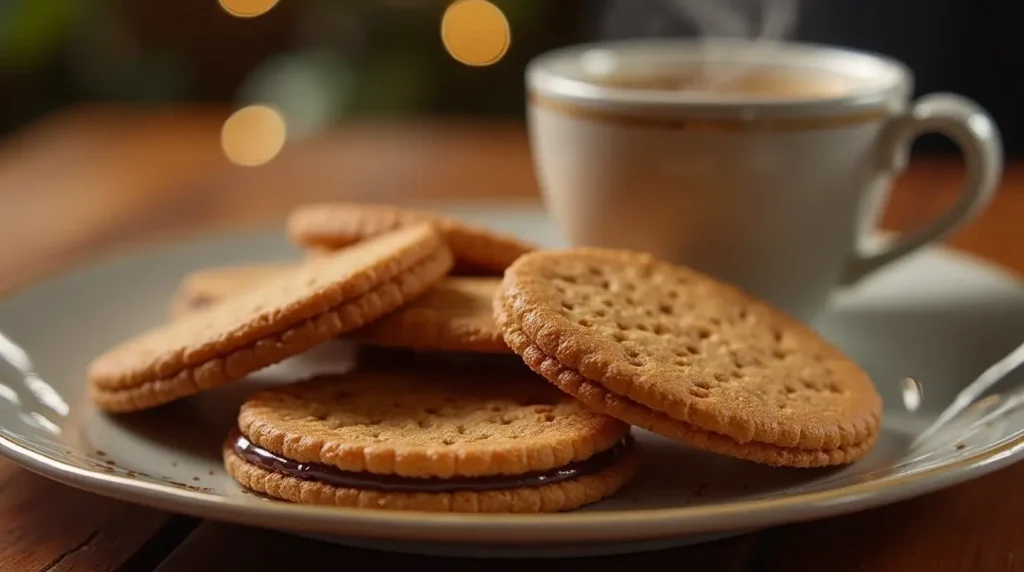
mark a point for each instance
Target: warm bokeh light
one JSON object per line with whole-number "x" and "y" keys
{"x": 247, "y": 8}
{"x": 475, "y": 32}
{"x": 253, "y": 135}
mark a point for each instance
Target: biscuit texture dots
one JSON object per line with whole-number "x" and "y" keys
{"x": 676, "y": 352}
{"x": 277, "y": 319}
{"x": 428, "y": 422}
{"x": 477, "y": 250}
{"x": 454, "y": 315}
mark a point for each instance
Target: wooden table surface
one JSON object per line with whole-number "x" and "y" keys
{"x": 91, "y": 177}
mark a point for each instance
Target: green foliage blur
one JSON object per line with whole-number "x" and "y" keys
{"x": 320, "y": 60}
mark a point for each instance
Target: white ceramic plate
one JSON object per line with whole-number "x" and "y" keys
{"x": 941, "y": 317}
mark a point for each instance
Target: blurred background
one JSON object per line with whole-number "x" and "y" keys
{"x": 322, "y": 61}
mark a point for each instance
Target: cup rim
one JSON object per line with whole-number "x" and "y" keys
{"x": 559, "y": 75}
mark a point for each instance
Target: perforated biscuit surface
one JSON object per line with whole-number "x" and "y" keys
{"x": 689, "y": 347}
{"x": 429, "y": 420}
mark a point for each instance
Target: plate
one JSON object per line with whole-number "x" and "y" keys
{"x": 941, "y": 317}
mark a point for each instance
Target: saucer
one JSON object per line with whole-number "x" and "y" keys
{"x": 939, "y": 316}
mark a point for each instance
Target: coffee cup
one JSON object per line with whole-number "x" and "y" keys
{"x": 764, "y": 164}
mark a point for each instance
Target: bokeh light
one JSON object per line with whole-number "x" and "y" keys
{"x": 475, "y": 32}
{"x": 253, "y": 135}
{"x": 247, "y": 8}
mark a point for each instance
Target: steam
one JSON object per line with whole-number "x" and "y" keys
{"x": 754, "y": 19}
{"x": 771, "y": 20}
{"x": 763, "y": 21}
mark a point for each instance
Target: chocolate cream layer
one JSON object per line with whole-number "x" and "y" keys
{"x": 267, "y": 460}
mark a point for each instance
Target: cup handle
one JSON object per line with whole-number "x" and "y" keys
{"x": 974, "y": 132}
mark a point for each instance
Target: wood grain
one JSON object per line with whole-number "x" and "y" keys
{"x": 278, "y": 551}
{"x": 48, "y": 526}
{"x": 95, "y": 177}
{"x": 975, "y": 526}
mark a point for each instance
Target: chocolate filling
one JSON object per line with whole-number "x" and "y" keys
{"x": 265, "y": 459}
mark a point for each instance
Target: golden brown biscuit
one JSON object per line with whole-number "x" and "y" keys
{"x": 208, "y": 286}
{"x": 455, "y": 315}
{"x": 432, "y": 438}
{"x": 273, "y": 321}
{"x": 678, "y": 353}
{"x": 327, "y": 226}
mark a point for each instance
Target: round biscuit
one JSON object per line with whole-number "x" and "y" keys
{"x": 428, "y": 420}
{"x": 477, "y": 250}
{"x": 205, "y": 287}
{"x": 563, "y": 496}
{"x": 455, "y": 315}
{"x": 277, "y": 319}
{"x": 682, "y": 354}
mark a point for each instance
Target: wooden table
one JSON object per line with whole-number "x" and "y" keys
{"x": 91, "y": 177}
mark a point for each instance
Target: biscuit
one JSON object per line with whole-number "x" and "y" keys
{"x": 678, "y": 353}
{"x": 440, "y": 439}
{"x": 208, "y": 286}
{"x": 455, "y": 315}
{"x": 327, "y": 226}
{"x": 277, "y": 319}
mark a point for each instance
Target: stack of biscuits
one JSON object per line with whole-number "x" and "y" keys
{"x": 575, "y": 347}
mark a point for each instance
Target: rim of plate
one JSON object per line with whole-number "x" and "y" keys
{"x": 526, "y": 528}
{"x": 582, "y": 526}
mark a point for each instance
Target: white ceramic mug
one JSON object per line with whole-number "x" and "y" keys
{"x": 773, "y": 192}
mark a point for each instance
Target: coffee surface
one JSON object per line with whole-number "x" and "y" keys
{"x": 772, "y": 82}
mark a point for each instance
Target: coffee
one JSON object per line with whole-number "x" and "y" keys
{"x": 742, "y": 81}
{"x": 760, "y": 164}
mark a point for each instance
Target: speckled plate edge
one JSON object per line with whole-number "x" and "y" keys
{"x": 564, "y": 527}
